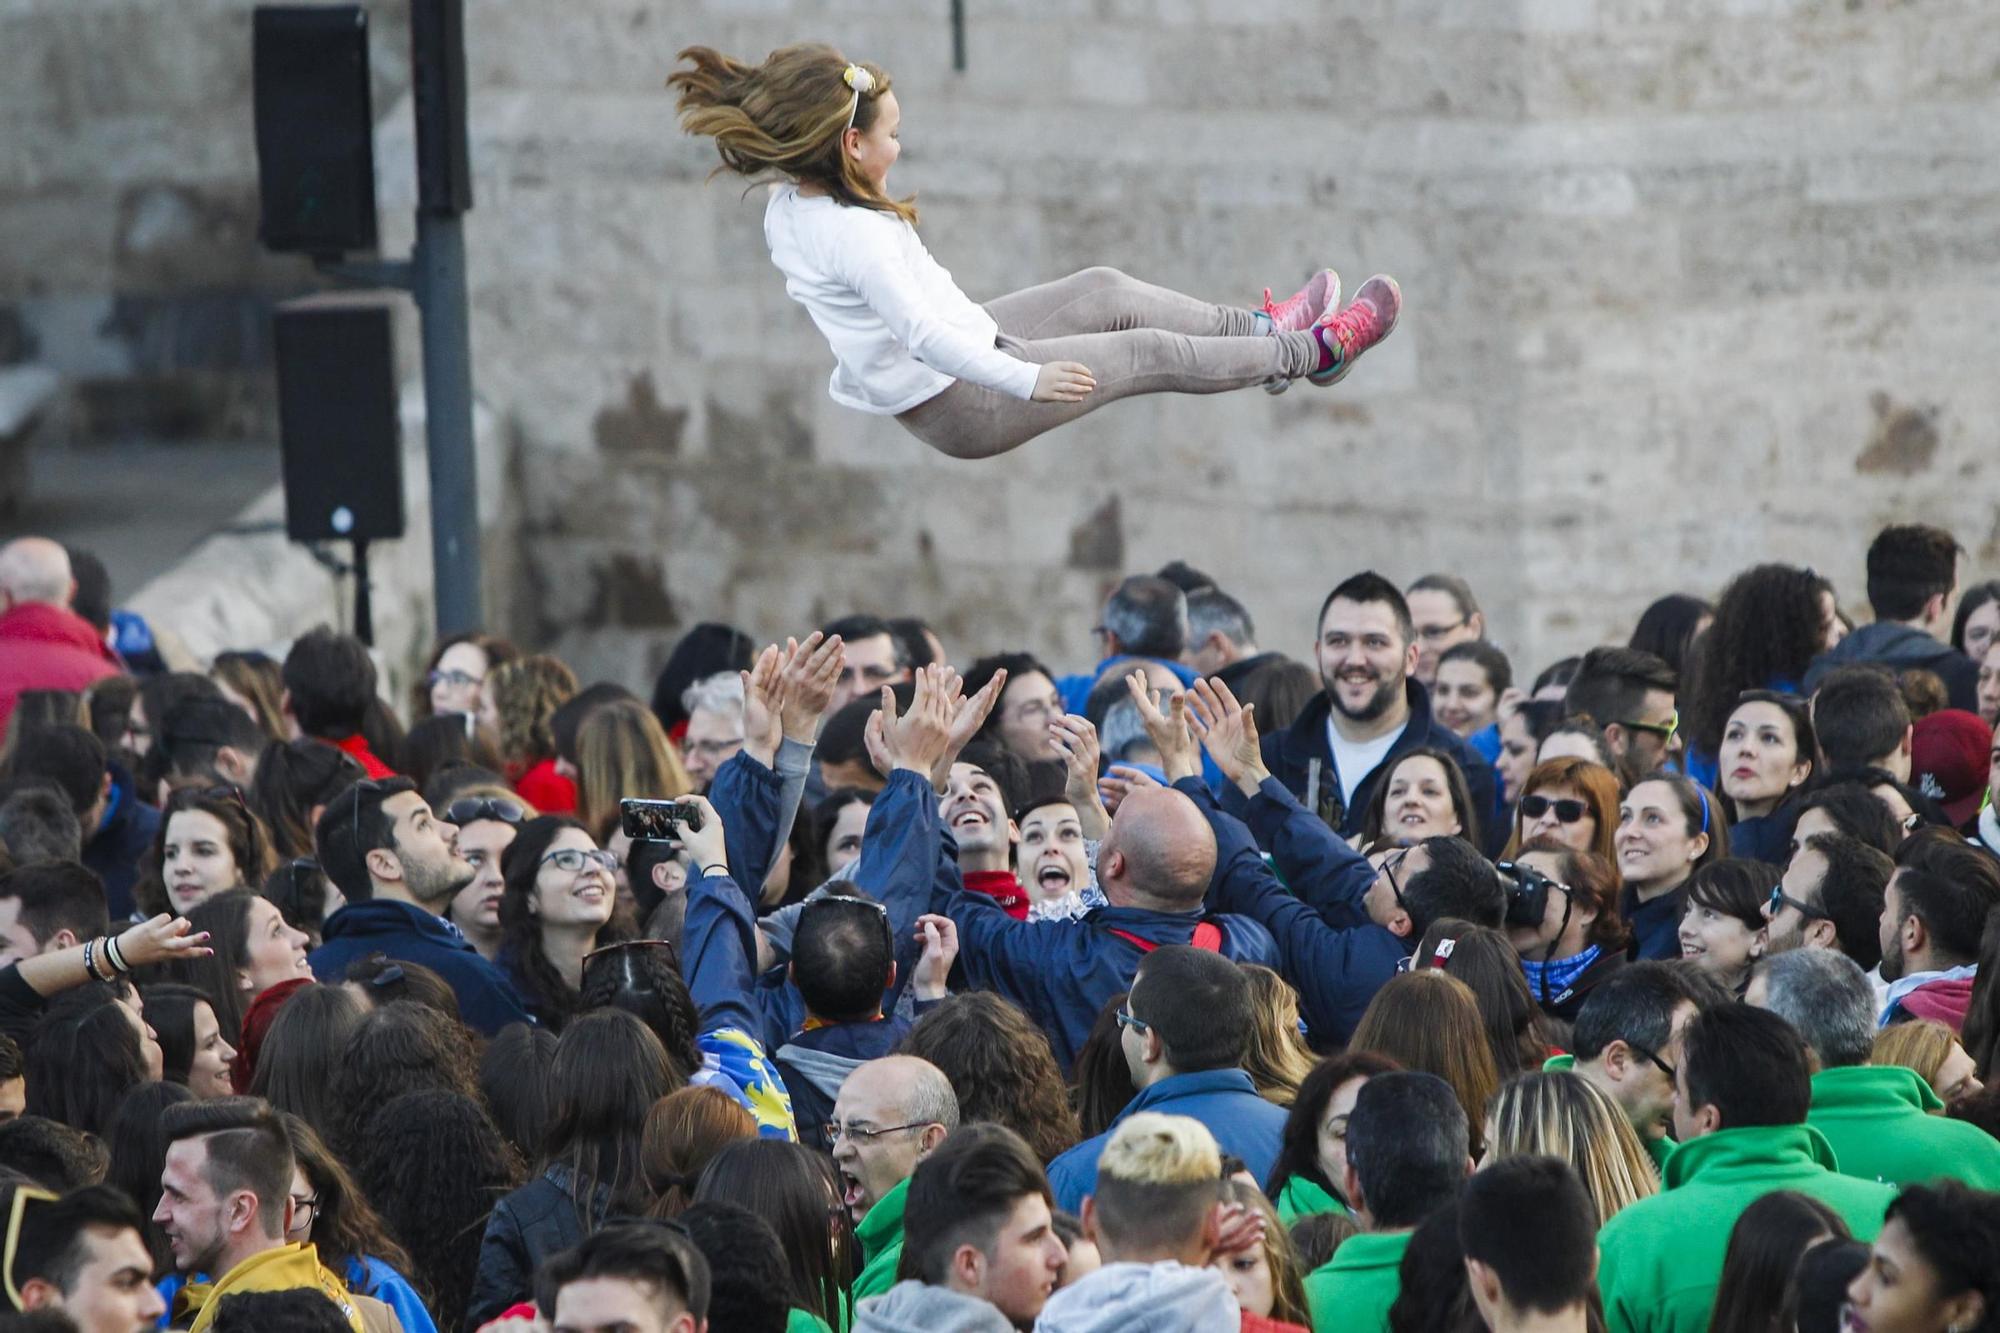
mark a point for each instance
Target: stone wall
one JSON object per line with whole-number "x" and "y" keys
{"x": 1689, "y": 282}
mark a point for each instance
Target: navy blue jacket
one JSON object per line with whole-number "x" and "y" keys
{"x": 1063, "y": 972}
{"x": 1328, "y": 947}
{"x": 486, "y": 1000}
{"x": 1225, "y": 1100}
{"x": 1766, "y": 838}
{"x": 1288, "y": 753}
{"x": 120, "y": 843}
{"x": 1656, "y": 926}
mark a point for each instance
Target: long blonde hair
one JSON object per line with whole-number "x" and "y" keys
{"x": 1562, "y": 1114}
{"x": 621, "y": 750}
{"x": 1277, "y": 1060}
{"x": 786, "y": 117}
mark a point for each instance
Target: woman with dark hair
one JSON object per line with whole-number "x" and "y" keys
{"x": 1433, "y": 1293}
{"x": 1028, "y": 703}
{"x": 295, "y": 781}
{"x": 795, "y": 1190}
{"x": 304, "y": 897}
{"x": 193, "y": 1051}
{"x": 1765, "y": 1245}
{"x": 1668, "y": 628}
{"x": 1103, "y": 1080}
{"x": 1767, "y": 756}
{"x": 1668, "y": 828}
{"x": 1523, "y": 727}
{"x": 706, "y": 650}
{"x": 1935, "y": 1266}
{"x": 453, "y": 674}
{"x": 1465, "y": 698}
{"x": 1770, "y": 623}
{"x": 1580, "y": 941}
{"x": 89, "y": 1050}
{"x": 378, "y": 979}
{"x": 1724, "y": 932}
{"x": 255, "y": 683}
{"x": 640, "y": 977}
{"x": 555, "y": 908}
{"x": 330, "y": 1213}
{"x": 209, "y": 842}
{"x": 398, "y": 1048}
{"x": 1816, "y": 1297}
{"x": 841, "y": 818}
{"x": 1000, "y": 1065}
{"x": 1976, "y": 627}
{"x": 1484, "y": 960}
{"x": 608, "y": 1071}
{"x": 301, "y": 1052}
{"x": 156, "y": 698}
{"x": 1312, "y": 1154}
{"x": 1428, "y": 1021}
{"x": 252, "y": 950}
{"x": 514, "y": 1076}
{"x": 684, "y": 1131}
{"x": 139, "y": 1154}
{"x": 1423, "y": 796}
{"x": 434, "y": 1165}
{"x": 441, "y": 739}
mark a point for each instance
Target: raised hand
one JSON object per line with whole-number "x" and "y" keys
{"x": 1239, "y": 1229}
{"x": 968, "y": 715}
{"x": 1166, "y": 727}
{"x": 1076, "y": 740}
{"x": 1228, "y": 731}
{"x": 940, "y": 937}
{"x": 811, "y": 672}
{"x": 762, "y": 696}
{"x": 160, "y": 939}
{"x": 919, "y": 739}
{"x": 705, "y": 847}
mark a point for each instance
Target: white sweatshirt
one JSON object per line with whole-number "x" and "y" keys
{"x": 900, "y": 329}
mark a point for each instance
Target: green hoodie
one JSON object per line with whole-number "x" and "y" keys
{"x": 881, "y": 1237}
{"x": 1662, "y": 1256}
{"x": 1302, "y": 1198}
{"x": 1352, "y": 1292}
{"x": 1880, "y": 1120}
{"x": 1659, "y": 1147}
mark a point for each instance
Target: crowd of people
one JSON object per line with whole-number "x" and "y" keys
{"x": 1395, "y": 986}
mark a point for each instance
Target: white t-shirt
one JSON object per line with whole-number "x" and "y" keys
{"x": 900, "y": 329}
{"x": 1354, "y": 761}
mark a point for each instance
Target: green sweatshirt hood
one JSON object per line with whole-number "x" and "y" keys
{"x": 883, "y": 1225}
{"x": 1747, "y": 1153}
{"x": 1872, "y": 1088}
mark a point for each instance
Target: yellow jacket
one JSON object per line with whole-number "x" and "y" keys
{"x": 280, "y": 1269}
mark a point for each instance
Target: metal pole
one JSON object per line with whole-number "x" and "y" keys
{"x": 364, "y": 598}
{"x": 440, "y": 292}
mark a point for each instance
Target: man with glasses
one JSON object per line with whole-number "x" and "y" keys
{"x": 874, "y": 658}
{"x": 1627, "y": 1041}
{"x": 1630, "y": 694}
{"x": 1830, "y": 898}
{"x": 1883, "y": 1121}
{"x": 890, "y": 1115}
{"x": 83, "y": 1254}
{"x": 399, "y": 868}
{"x": 714, "y": 728}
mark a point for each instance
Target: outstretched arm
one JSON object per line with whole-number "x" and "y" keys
{"x": 719, "y": 940}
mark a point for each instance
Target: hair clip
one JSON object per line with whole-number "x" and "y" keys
{"x": 857, "y": 78}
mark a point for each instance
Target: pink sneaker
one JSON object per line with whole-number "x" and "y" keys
{"x": 1354, "y": 330}
{"x": 1312, "y": 303}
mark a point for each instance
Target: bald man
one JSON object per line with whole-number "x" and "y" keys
{"x": 1154, "y": 867}
{"x": 43, "y": 644}
{"x": 891, "y": 1114}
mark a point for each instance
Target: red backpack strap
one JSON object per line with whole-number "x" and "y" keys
{"x": 1143, "y": 946}
{"x": 1207, "y": 935}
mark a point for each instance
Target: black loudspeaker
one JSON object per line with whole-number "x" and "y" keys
{"x": 337, "y": 418}
{"x": 315, "y": 129}
{"x": 437, "y": 94}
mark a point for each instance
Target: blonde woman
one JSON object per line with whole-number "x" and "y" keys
{"x": 970, "y": 380}
{"x": 621, "y": 751}
{"x": 1933, "y": 1050}
{"x": 1277, "y": 1060}
{"x": 1560, "y": 1114}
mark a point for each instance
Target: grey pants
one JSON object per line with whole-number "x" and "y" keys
{"x": 1135, "y": 338}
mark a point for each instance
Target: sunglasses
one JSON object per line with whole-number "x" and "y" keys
{"x": 470, "y": 809}
{"x": 1666, "y": 731}
{"x": 1568, "y": 810}
{"x": 1780, "y": 900}
{"x": 853, "y": 902}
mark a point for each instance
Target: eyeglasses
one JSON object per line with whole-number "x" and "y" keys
{"x": 1127, "y": 1019}
{"x": 1657, "y": 1062}
{"x": 1389, "y": 864}
{"x": 572, "y": 861}
{"x": 1432, "y": 633}
{"x": 1666, "y": 731}
{"x": 1780, "y": 900}
{"x": 1568, "y": 810}
{"x": 23, "y": 1196}
{"x": 470, "y": 809}
{"x": 458, "y": 680}
{"x": 834, "y": 1133}
{"x": 304, "y": 1210}
{"x": 712, "y": 749}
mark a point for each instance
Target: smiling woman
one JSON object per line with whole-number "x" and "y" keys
{"x": 209, "y": 842}
{"x": 1425, "y": 796}
{"x": 556, "y": 907}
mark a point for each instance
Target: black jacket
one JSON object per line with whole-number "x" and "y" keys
{"x": 541, "y": 1218}
{"x": 1288, "y": 754}
{"x": 116, "y": 849}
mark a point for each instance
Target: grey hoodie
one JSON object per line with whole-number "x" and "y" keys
{"x": 1898, "y": 646}
{"x": 1144, "y": 1298}
{"x": 914, "y": 1307}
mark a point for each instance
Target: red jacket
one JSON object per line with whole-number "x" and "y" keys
{"x": 44, "y": 647}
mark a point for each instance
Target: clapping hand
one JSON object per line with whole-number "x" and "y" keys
{"x": 762, "y": 698}
{"x": 1166, "y": 727}
{"x": 812, "y": 670}
{"x": 1075, "y": 739}
{"x": 1228, "y": 731}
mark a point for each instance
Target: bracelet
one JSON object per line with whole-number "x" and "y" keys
{"x": 114, "y": 954}
{"x": 723, "y": 869}
{"x": 90, "y": 963}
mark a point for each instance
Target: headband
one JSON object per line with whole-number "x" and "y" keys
{"x": 861, "y": 81}
{"x": 1702, "y": 792}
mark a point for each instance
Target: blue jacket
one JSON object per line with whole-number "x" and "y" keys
{"x": 1063, "y": 972}
{"x": 1075, "y": 690}
{"x": 1288, "y": 754}
{"x": 1225, "y": 1100}
{"x": 1898, "y": 646}
{"x": 1656, "y": 925}
{"x": 1328, "y": 947}
{"x": 1766, "y": 838}
{"x": 486, "y": 1000}
{"x": 120, "y": 843}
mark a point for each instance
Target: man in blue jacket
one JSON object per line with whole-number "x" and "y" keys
{"x": 1184, "y": 1030}
{"x": 398, "y": 865}
{"x": 1369, "y": 713}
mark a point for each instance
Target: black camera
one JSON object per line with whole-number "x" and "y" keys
{"x": 658, "y": 821}
{"x": 1528, "y": 892}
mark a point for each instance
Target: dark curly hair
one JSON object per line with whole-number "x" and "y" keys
{"x": 438, "y": 1166}
{"x": 1767, "y": 628}
{"x": 396, "y": 1049}
{"x": 345, "y": 1227}
{"x": 521, "y": 932}
{"x": 641, "y": 978}
{"x": 1000, "y": 1065}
